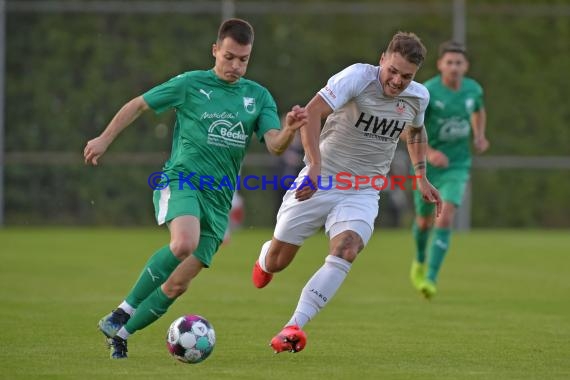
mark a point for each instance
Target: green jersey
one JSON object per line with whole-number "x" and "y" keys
{"x": 448, "y": 120}
{"x": 215, "y": 121}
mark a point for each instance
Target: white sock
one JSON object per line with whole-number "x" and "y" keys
{"x": 123, "y": 333}
{"x": 127, "y": 308}
{"x": 263, "y": 254}
{"x": 320, "y": 289}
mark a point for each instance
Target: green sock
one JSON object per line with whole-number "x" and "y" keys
{"x": 152, "y": 308}
{"x": 421, "y": 238}
{"x": 155, "y": 272}
{"x": 438, "y": 250}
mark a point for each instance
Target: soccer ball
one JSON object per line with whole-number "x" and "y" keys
{"x": 191, "y": 339}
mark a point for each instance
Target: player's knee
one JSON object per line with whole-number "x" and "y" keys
{"x": 444, "y": 221}
{"x": 182, "y": 248}
{"x": 423, "y": 223}
{"x": 174, "y": 289}
{"x": 348, "y": 246}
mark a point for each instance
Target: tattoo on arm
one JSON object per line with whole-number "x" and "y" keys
{"x": 420, "y": 165}
{"x": 416, "y": 136}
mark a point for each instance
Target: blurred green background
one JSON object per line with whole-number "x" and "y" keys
{"x": 67, "y": 73}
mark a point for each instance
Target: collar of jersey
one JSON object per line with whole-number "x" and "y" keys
{"x": 221, "y": 81}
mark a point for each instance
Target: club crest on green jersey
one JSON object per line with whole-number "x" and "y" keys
{"x": 249, "y": 104}
{"x": 469, "y": 105}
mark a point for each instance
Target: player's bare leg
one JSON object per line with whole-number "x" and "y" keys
{"x": 319, "y": 290}
{"x": 275, "y": 256}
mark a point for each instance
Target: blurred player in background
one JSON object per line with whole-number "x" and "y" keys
{"x": 217, "y": 113}
{"x": 366, "y": 109}
{"x": 236, "y": 217}
{"x": 455, "y": 118}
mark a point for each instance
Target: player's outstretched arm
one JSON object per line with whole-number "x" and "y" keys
{"x": 126, "y": 115}
{"x": 478, "y": 124}
{"x": 318, "y": 110}
{"x": 416, "y": 140}
{"x": 277, "y": 141}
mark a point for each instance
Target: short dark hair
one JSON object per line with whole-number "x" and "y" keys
{"x": 237, "y": 29}
{"x": 452, "y": 47}
{"x": 409, "y": 46}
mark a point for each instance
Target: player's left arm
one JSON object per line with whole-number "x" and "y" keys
{"x": 479, "y": 124}
{"x": 277, "y": 140}
{"x": 417, "y": 142}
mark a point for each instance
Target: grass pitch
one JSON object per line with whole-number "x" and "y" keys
{"x": 502, "y": 311}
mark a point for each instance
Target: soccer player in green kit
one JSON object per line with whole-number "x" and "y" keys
{"x": 455, "y": 116}
{"x": 217, "y": 112}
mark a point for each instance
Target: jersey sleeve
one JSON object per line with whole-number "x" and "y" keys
{"x": 347, "y": 84}
{"x": 268, "y": 116}
{"x": 167, "y": 95}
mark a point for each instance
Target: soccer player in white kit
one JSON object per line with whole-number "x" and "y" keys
{"x": 366, "y": 109}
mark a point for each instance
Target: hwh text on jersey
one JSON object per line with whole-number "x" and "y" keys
{"x": 385, "y": 127}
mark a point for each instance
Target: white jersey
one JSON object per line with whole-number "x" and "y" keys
{"x": 361, "y": 135}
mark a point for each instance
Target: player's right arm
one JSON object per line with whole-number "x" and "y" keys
{"x": 340, "y": 88}
{"x": 437, "y": 158}
{"x": 478, "y": 124}
{"x": 317, "y": 110}
{"x": 126, "y": 115}
{"x": 417, "y": 141}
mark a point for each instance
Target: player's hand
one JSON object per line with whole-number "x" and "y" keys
{"x": 305, "y": 190}
{"x": 95, "y": 149}
{"x": 430, "y": 194}
{"x": 481, "y": 144}
{"x": 437, "y": 158}
{"x": 296, "y": 118}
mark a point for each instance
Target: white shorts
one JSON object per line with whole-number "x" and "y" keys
{"x": 336, "y": 210}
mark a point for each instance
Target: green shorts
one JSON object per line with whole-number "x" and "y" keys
{"x": 172, "y": 202}
{"x": 451, "y": 186}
